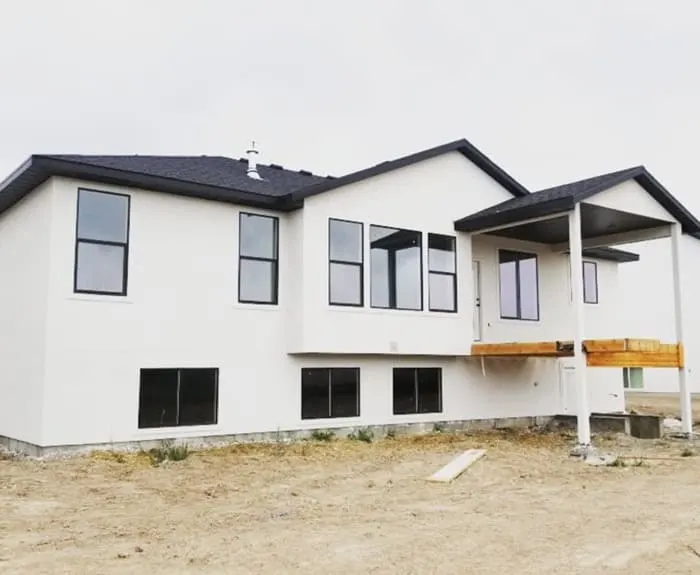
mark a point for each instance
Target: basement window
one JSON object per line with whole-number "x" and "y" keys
{"x": 328, "y": 393}
{"x": 258, "y": 262}
{"x": 101, "y": 243}
{"x": 417, "y": 390}
{"x": 178, "y": 397}
{"x": 633, "y": 377}
{"x": 518, "y": 285}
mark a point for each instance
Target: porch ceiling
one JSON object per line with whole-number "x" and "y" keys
{"x": 516, "y": 218}
{"x": 596, "y": 221}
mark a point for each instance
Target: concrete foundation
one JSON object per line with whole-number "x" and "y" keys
{"x": 378, "y": 431}
{"x": 646, "y": 426}
{"x": 641, "y": 426}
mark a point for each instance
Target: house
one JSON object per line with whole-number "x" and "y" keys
{"x": 200, "y": 297}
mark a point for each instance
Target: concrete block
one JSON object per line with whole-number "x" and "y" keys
{"x": 645, "y": 426}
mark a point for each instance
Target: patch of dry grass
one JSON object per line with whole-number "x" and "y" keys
{"x": 343, "y": 506}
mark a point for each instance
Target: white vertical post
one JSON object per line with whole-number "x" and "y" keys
{"x": 686, "y": 411}
{"x": 576, "y": 261}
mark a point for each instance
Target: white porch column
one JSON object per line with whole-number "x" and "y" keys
{"x": 686, "y": 410}
{"x": 576, "y": 261}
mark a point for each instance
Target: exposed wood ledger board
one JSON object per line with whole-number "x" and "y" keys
{"x": 624, "y": 352}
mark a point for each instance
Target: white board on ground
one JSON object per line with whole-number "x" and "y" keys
{"x": 457, "y": 466}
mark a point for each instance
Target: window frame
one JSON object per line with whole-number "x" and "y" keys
{"x": 179, "y": 371}
{"x": 583, "y": 276}
{"x": 389, "y": 281}
{"x": 274, "y": 261}
{"x": 330, "y": 371}
{"x": 360, "y": 265}
{"x": 415, "y": 371}
{"x": 443, "y": 273}
{"x": 518, "y": 316}
{"x": 125, "y": 245}
{"x": 627, "y": 378}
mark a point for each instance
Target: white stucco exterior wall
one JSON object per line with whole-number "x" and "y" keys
{"x": 24, "y": 288}
{"x": 428, "y": 197}
{"x": 631, "y": 197}
{"x": 181, "y": 311}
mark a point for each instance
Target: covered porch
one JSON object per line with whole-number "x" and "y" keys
{"x": 575, "y": 219}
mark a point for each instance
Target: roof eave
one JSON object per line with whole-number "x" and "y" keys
{"x": 111, "y": 176}
{"x": 462, "y": 146}
{"x": 476, "y": 223}
{"x": 611, "y": 254}
{"x": 689, "y": 223}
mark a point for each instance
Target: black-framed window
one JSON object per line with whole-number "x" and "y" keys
{"x": 442, "y": 273}
{"x": 345, "y": 263}
{"x": 417, "y": 390}
{"x": 330, "y": 392}
{"x": 518, "y": 285}
{"x": 177, "y": 397}
{"x": 396, "y": 268}
{"x": 590, "y": 282}
{"x": 101, "y": 243}
{"x": 258, "y": 259}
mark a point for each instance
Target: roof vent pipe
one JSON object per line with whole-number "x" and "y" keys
{"x": 252, "y": 162}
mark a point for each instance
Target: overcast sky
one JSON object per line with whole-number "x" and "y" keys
{"x": 552, "y": 90}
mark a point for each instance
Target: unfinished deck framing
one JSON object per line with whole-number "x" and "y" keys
{"x": 599, "y": 352}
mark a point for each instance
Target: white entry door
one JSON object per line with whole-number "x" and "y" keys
{"x": 476, "y": 274}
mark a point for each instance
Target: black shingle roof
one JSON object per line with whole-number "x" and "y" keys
{"x": 563, "y": 198}
{"x": 206, "y": 170}
{"x": 464, "y": 147}
{"x": 225, "y": 179}
{"x": 208, "y": 177}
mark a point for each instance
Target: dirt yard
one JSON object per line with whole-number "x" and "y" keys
{"x": 352, "y": 507}
{"x": 666, "y": 404}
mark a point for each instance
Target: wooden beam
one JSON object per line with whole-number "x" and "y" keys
{"x": 520, "y": 348}
{"x": 627, "y": 352}
{"x": 627, "y": 344}
{"x": 597, "y": 345}
{"x": 634, "y": 359}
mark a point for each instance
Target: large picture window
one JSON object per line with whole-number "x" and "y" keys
{"x": 396, "y": 268}
{"x": 417, "y": 390}
{"x": 330, "y": 392}
{"x": 177, "y": 397}
{"x": 101, "y": 243}
{"x": 518, "y": 289}
{"x": 345, "y": 263}
{"x": 442, "y": 273}
{"x": 258, "y": 262}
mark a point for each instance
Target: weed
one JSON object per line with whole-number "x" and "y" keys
{"x": 322, "y": 435}
{"x": 167, "y": 451}
{"x": 438, "y": 428}
{"x": 391, "y": 433}
{"x": 617, "y": 462}
{"x": 363, "y": 434}
{"x": 118, "y": 457}
{"x": 688, "y": 452}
